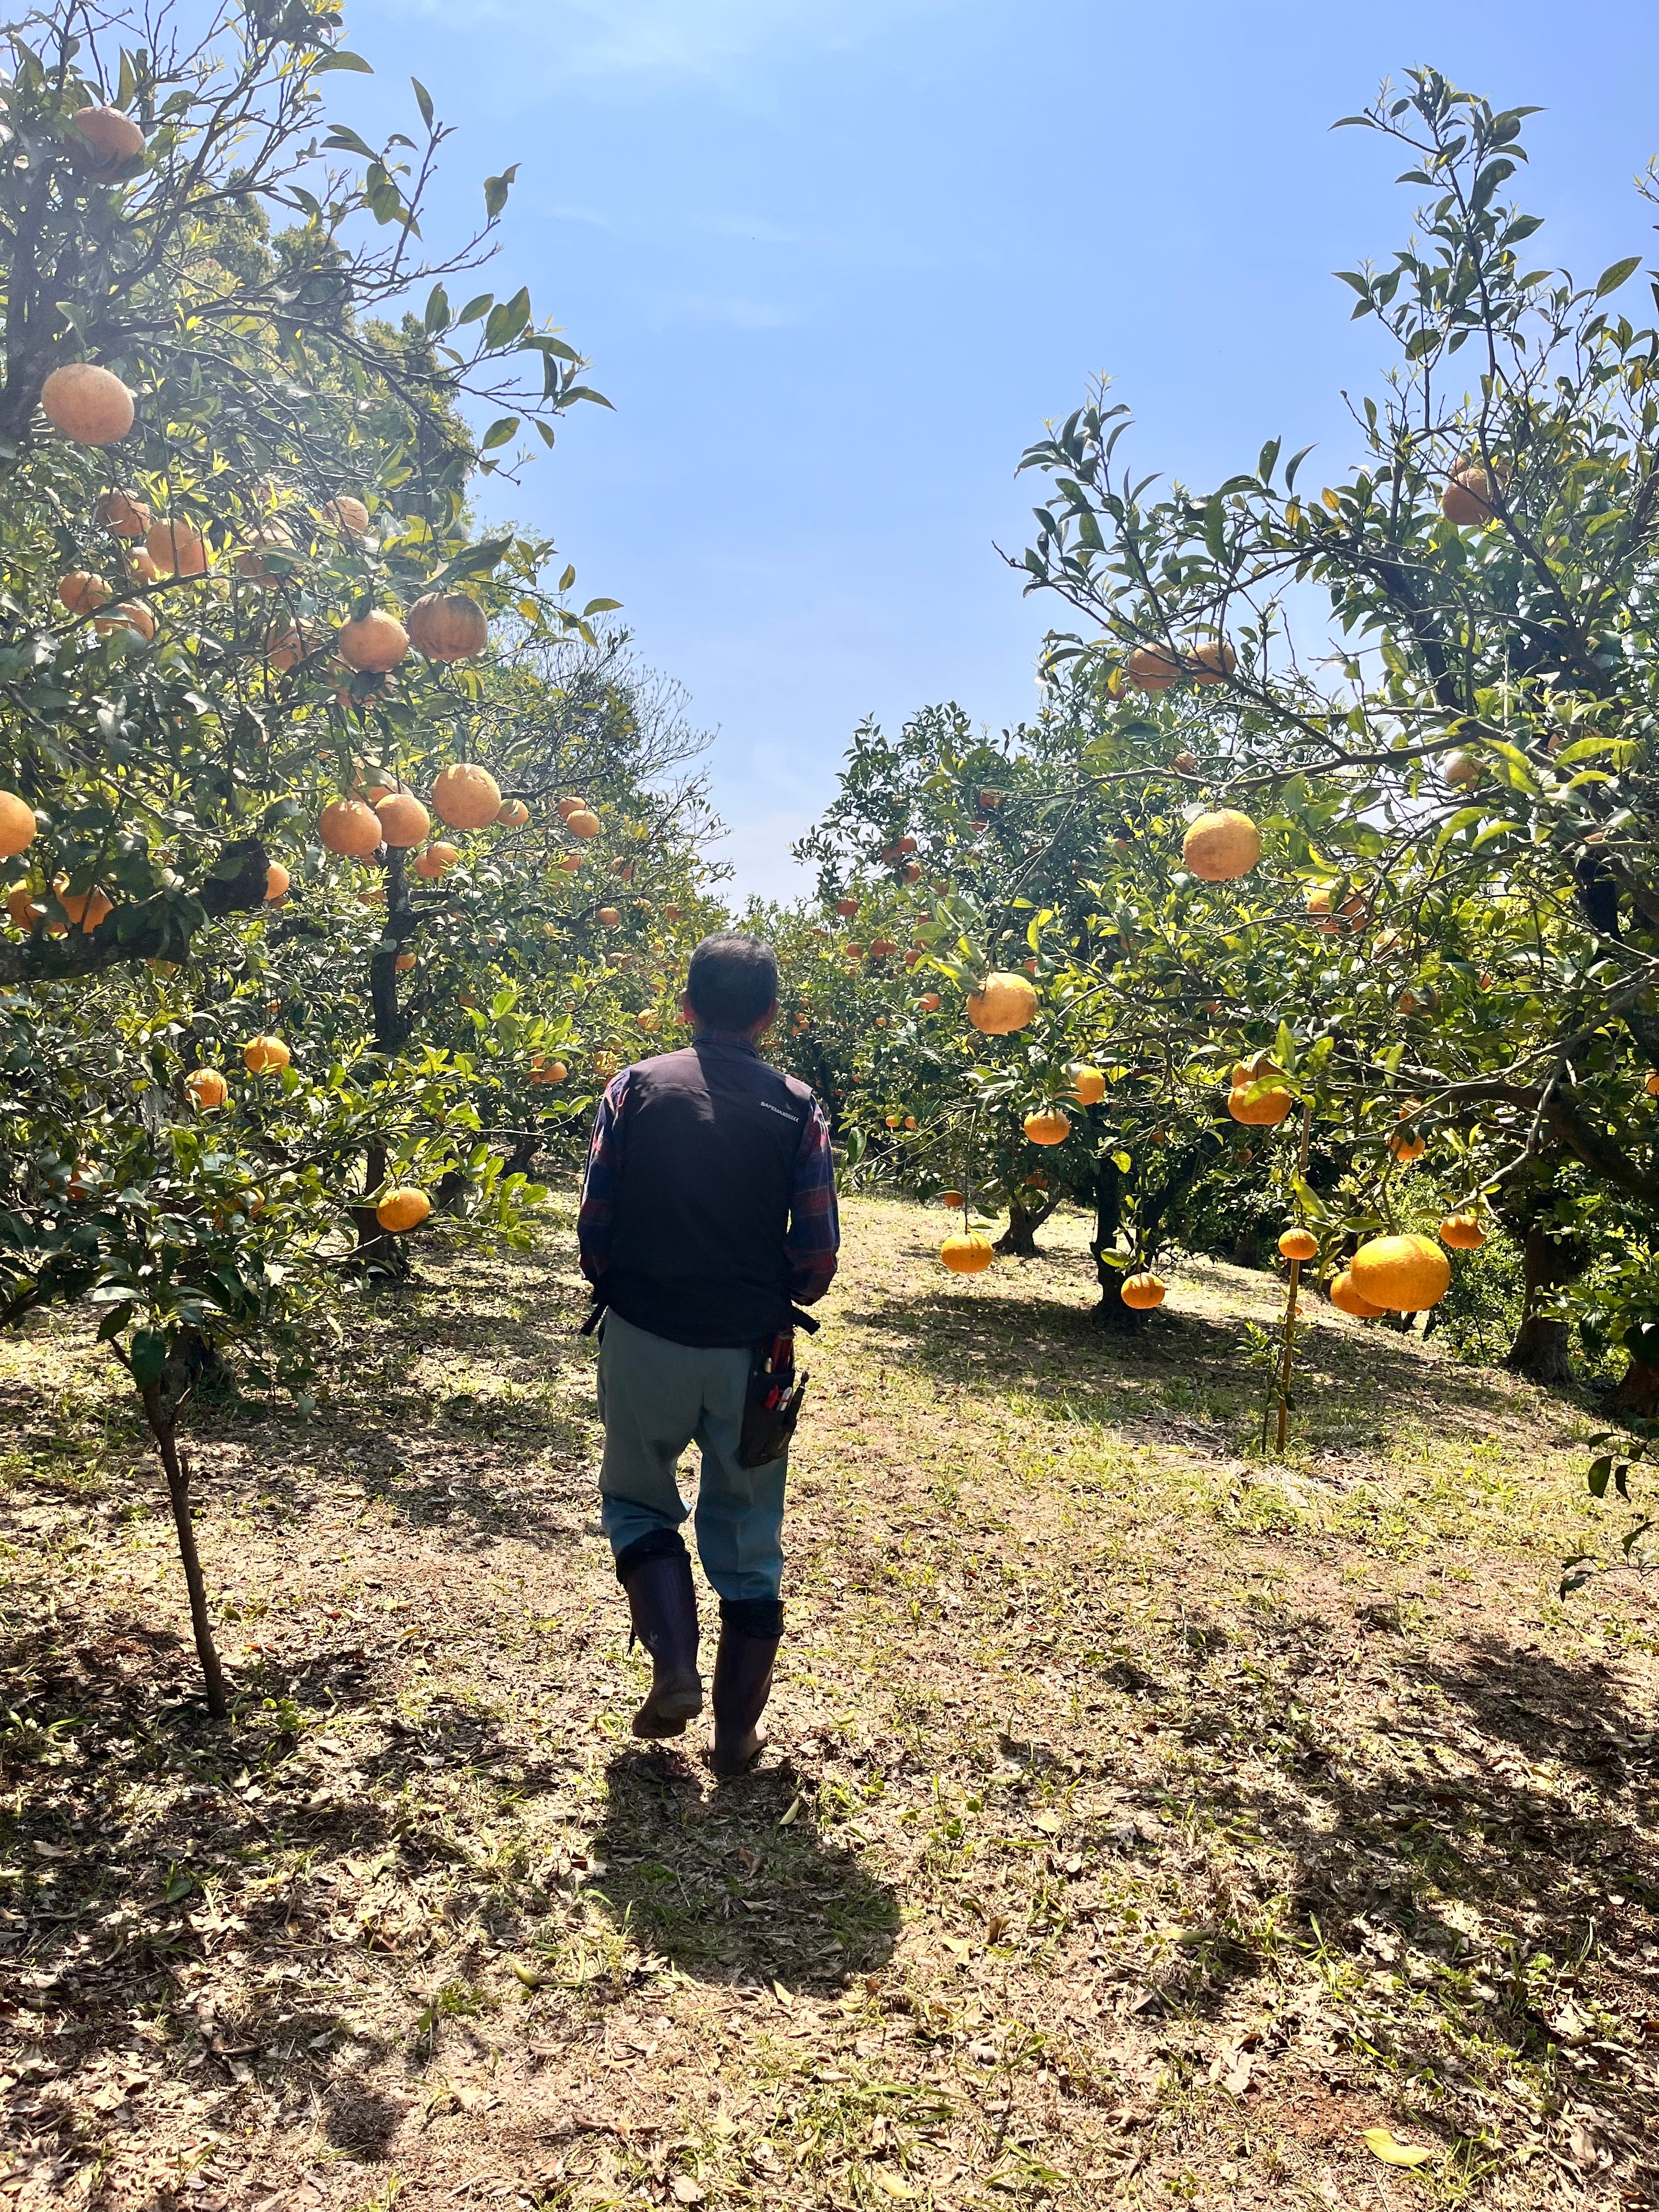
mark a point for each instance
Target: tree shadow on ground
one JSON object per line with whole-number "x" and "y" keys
{"x": 111, "y": 1922}
{"x": 479, "y": 1462}
{"x": 1547, "y": 1709}
{"x": 1056, "y": 1349}
{"x": 1459, "y": 1902}
{"x": 714, "y": 1881}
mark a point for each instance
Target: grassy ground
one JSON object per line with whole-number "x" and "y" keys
{"x": 1144, "y": 1822}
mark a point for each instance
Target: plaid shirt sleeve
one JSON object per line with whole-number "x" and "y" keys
{"x": 597, "y": 1208}
{"x": 814, "y": 1235}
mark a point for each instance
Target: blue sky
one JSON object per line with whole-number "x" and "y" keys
{"x": 835, "y": 264}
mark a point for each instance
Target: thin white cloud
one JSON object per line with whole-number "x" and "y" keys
{"x": 561, "y": 211}
{"x": 719, "y": 307}
{"x": 753, "y": 228}
{"x": 615, "y": 42}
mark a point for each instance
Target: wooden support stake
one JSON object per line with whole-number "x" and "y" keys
{"x": 1290, "y": 1306}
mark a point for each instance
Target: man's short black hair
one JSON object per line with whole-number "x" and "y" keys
{"x": 732, "y": 981}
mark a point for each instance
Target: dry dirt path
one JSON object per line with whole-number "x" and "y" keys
{"x": 1144, "y": 1824}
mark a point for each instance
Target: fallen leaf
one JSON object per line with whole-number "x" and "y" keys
{"x": 1381, "y": 2143}
{"x": 783, "y": 1997}
{"x": 894, "y": 2184}
{"x": 687, "y": 2191}
{"x": 794, "y": 1814}
{"x": 53, "y": 1850}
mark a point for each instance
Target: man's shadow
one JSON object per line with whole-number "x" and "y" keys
{"x": 722, "y": 1881}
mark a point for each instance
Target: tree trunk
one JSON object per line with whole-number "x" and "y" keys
{"x": 377, "y": 1253}
{"x": 522, "y": 1157}
{"x": 1111, "y": 1313}
{"x": 393, "y": 1023}
{"x": 163, "y": 1426}
{"x": 1539, "y": 1351}
{"x": 1019, "y": 1237}
{"x": 1638, "y": 1392}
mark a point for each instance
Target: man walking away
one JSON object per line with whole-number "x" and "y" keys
{"x": 708, "y": 1209}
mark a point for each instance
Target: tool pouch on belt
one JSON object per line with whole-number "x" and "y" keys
{"x": 772, "y": 1406}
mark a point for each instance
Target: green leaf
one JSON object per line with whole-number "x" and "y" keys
{"x": 147, "y": 1353}
{"x": 1308, "y": 1200}
{"x": 506, "y": 319}
{"x": 1620, "y": 273}
{"x": 343, "y": 140}
{"x": 340, "y": 59}
{"x": 422, "y": 101}
{"x": 496, "y": 189}
{"x": 499, "y": 432}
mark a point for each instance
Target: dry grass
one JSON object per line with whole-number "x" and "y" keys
{"x": 1144, "y": 1823}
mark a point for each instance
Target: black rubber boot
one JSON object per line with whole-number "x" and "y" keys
{"x": 662, "y": 1603}
{"x": 751, "y": 1630}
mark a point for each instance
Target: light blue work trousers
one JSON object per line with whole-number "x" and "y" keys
{"x": 655, "y": 1399}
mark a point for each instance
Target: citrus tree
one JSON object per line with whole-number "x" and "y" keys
{"x": 1457, "y": 772}
{"x": 284, "y": 730}
{"x": 1033, "y": 859}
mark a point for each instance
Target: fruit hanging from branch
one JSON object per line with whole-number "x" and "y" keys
{"x": 1002, "y": 1003}
{"x": 966, "y": 1252}
{"x": 350, "y": 828}
{"x": 1048, "y": 1126}
{"x": 447, "y": 626}
{"x": 1346, "y": 1300}
{"x": 18, "y": 827}
{"x": 1221, "y": 845}
{"x": 465, "y": 796}
{"x": 112, "y": 138}
{"x": 1148, "y": 670}
{"x": 403, "y": 1209}
{"x": 374, "y": 644}
{"x": 1254, "y": 1097}
{"x": 403, "y": 821}
{"x": 88, "y": 403}
{"x": 1402, "y": 1274}
{"x": 1470, "y": 496}
{"x": 124, "y": 514}
{"x": 177, "y": 547}
{"x": 1462, "y": 1232}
